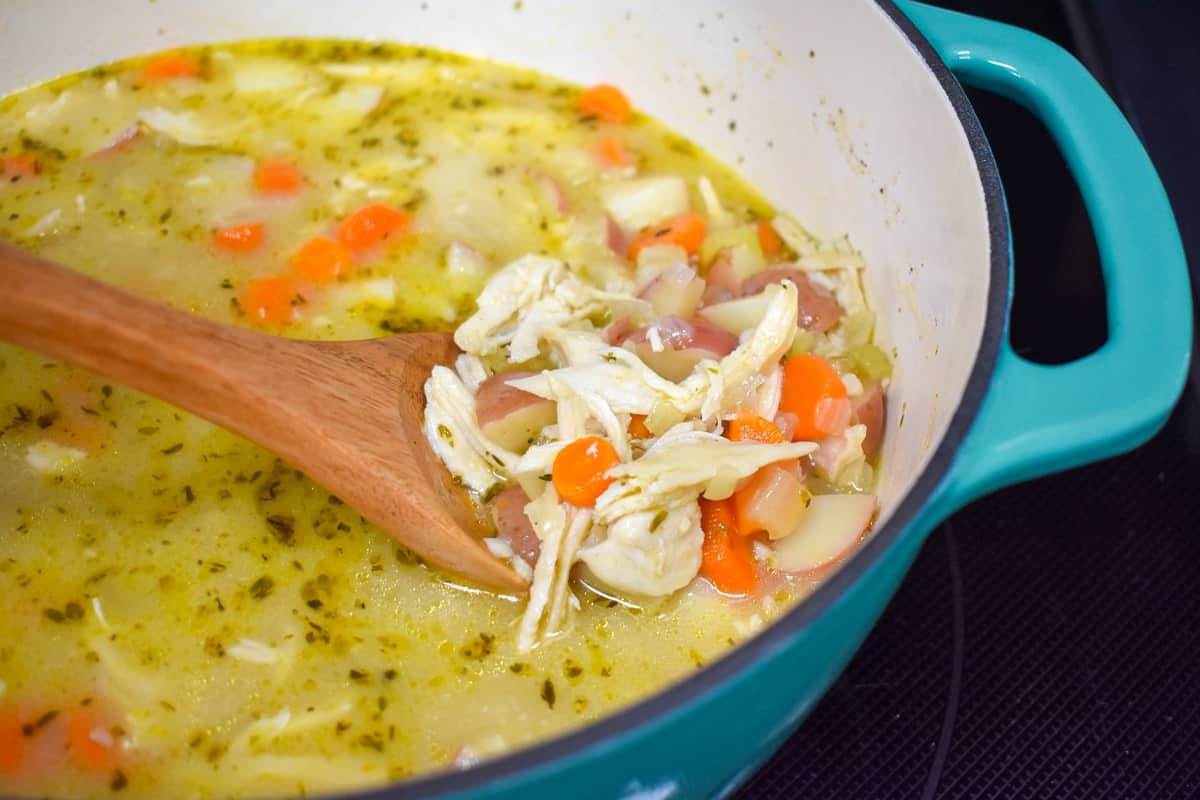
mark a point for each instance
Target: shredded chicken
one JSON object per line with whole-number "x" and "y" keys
{"x": 561, "y": 529}
{"x": 530, "y": 296}
{"x": 838, "y": 457}
{"x": 454, "y": 434}
{"x": 623, "y": 381}
{"x": 648, "y": 552}
{"x": 678, "y": 467}
{"x": 643, "y": 536}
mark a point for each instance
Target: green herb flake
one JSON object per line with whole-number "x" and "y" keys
{"x": 547, "y": 692}
{"x": 373, "y": 741}
{"x": 29, "y": 729}
{"x": 262, "y": 587}
{"x": 480, "y": 647}
{"x": 283, "y": 528}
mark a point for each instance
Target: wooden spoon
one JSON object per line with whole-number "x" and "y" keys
{"x": 348, "y": 414}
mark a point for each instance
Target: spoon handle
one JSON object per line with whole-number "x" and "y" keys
{"x": 182, "y": 358}
{"x": 346, "y": 413}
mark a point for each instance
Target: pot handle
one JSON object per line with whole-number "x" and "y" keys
{"x": 1039, "y": 419}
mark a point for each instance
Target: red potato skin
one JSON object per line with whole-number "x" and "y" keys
{"x": 709, "y": 337}
{"x": 721, "y": 280}
{"x": 508, "y": 512}
{"x": 819, "y": 309}
{"x": 120, "y": 141}
{"x": 618, "y": 330}
{"x": 870, "y": 409}
{"x": 554, "y": 189}
{"x": 497, "y": 399}
{"x": 705, "y": 336}
{"x": 682, "y": 352}
{"x": 617, "y": 238}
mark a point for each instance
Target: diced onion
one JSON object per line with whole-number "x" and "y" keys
{"x": 723, "y": 484}
{"x": 663, "y": 417}
{"x": 676, "y": 292}
{"x": 832, "y": 415}
{"x": 776, "y": 503}
{"x": 253, "y": 651}
{"x": 786, "y": 422}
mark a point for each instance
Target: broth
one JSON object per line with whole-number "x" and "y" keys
{"x": 185, "y": 614}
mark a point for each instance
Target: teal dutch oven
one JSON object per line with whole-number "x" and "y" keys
{"x": 1014, "y": 420}
{"x": 850, "y": 116}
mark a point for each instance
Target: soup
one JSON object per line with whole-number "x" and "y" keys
{"x": 186, "y": 614}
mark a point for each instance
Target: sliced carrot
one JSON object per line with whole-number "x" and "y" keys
{"x": 12, "y": 743}
{"x": 240, "y": 238}
{"x": 637, "y": 427}
{"x": 169, "y": 67}
{"x": 278, "y": 177}
{"x": 768, "y": 239}
{"x": 579, "y": 470}
{"x": 85, "y": 748}
{"x": 18, "y": 167}
{"x": 746, "y": 426}
{"x": 612, "y": 153}
{"x": 726, "y": 558}
{"x": 810, "y": 387}
{"x": 371, "y": 225}
{"x": 604, "y": 101}
{"x": 78, "y": 425}
{"x": 321, "y": 260}
{"x": 686, "y": 231}
{"x": 272, "y": 299}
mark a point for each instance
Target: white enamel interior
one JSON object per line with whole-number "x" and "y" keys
{"x": 824, "y": 106}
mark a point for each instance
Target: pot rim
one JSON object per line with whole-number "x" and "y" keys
{"x": 778, "y": 633}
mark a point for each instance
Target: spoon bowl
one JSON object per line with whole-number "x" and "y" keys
{"x": 347, "y": 414}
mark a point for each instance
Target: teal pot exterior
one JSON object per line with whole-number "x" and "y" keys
{"x": 1017, "y": 420}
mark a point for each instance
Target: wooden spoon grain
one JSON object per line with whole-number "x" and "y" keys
{"x": 347, "y": 414}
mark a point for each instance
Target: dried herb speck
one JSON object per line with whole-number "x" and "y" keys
{"x": 283, "y": 527}
{"x": 41, "y": 722}
{"x": 262, "y": 587}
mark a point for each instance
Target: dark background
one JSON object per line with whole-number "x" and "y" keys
{"x": 1045, "y": 643}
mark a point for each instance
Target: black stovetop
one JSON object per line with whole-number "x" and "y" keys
{"x": 1046, "y": 642}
